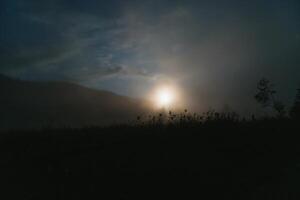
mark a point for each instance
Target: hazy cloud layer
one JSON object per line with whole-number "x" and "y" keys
{"x": 215, "y": 51}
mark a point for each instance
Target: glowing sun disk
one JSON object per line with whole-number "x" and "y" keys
{"x": 165, "y": 97}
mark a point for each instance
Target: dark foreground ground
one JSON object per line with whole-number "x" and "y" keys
{"x": 214, "y": 160}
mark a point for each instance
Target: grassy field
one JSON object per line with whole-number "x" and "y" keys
{"x": 187, "y": 157}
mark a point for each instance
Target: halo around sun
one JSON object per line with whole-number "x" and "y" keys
{"x": 165, "y": 97}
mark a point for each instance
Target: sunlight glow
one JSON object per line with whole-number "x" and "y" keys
{"x": 165, "y": 97}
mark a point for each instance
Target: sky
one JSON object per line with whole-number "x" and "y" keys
{"x": 213, "y": 51}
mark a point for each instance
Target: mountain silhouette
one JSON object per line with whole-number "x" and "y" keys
{"x": 5, "y": 78}
{"x": 33, "y": 104}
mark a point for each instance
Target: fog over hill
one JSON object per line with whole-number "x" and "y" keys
{"x": 32, "y": 104}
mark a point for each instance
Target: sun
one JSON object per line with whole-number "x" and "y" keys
{"x": 165, "y": 97}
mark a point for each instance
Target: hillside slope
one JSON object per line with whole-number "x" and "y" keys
{"x": 28, "y": 104}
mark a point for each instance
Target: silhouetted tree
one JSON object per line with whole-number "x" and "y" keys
{"x": 279, "y": 107}
{"x": 266, "y": 97}
{"x": 295, "y": 110}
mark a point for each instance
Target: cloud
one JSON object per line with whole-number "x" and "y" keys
{"x": 76, "y": 39}
{"x": 214, "y": 51}
{"x": 110, "y": 71}
{"x": 27, "y": 57}
{"x": 217, "y": 57}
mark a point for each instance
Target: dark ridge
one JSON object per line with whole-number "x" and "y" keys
{"x": 36, "y": 104}
{"x": 5, "y": 78}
